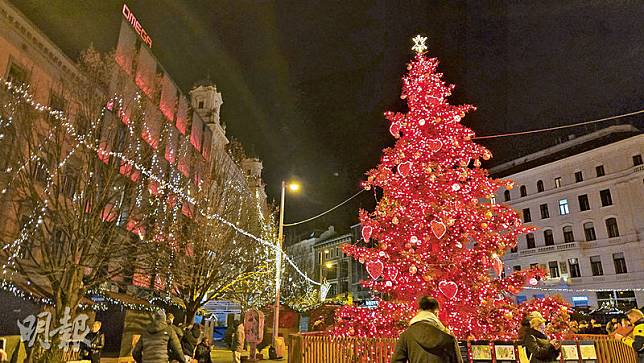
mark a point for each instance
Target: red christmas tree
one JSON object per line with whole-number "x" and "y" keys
{"x": 435, "y": 230}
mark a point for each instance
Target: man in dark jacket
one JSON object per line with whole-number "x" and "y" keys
{"x": 157, "y": 339}
{"x": 190, "y": 340}
{"x": 427, "y": 340}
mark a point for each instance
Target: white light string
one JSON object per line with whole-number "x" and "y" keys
{"x": 178, "y": 191}
{"x": 580, "y": 290}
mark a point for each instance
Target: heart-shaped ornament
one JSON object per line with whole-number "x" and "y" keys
{"x": 374, "y": 268}
{"x": 435, "y": 145}
{"x": 392, "y": 273}
{"x": 404, "y": 168}
{"x": 448, "y": 288}
{"x": 366, "y": 233}
{"x": 394, "y": 129}
{"x": 438, "y": 228}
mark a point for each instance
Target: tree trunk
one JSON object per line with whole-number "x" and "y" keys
{"x": 191, "y": 311}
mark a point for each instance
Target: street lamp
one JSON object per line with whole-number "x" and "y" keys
{"x": 293, "y": 187}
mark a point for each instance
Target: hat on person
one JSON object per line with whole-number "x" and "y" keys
{"x": 536, "y": 322}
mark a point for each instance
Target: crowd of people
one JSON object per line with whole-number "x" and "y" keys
{"x": 427, "y": 340}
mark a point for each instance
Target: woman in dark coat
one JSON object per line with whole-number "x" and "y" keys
{"x": 540, "y": 348}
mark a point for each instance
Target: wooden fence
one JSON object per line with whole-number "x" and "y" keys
{"x": 315, "y": 348}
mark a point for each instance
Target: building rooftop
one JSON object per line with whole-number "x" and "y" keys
{"x": 573, "y": 146}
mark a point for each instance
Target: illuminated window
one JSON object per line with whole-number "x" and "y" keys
{"x": 558, "y": 182}
{"x": 563, "y": 207}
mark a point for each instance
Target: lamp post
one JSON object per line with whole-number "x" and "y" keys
{"x": 294, "y": 187}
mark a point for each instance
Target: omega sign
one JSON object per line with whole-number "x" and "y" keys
{"x": 129, "y": 16}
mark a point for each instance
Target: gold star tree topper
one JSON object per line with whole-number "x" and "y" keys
{"x": 419, "y": 44}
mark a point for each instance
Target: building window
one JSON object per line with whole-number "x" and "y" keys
{"x": 539, "y": 186}
{"x": 506, "y": 195}
{"x": 606, "y": 198}
{"x": 558, "y": 182}
{"x": 589, "y": 231}
{"x": 568, "y": 235}
{"x": 573, "y": 265}
{"x": 516, "y": 268}
{"x": 530, "y": 240}
{"x": 493, "y": 200}
{"x": 637, "y": 159}
{"x": 563, "y": 207}
{"x": 548, "y": 237}
{"x": 611, "y": 228}
{"x": 16, "y": 74}
{"x": 620, "y": 263}
{"x": 200, "y": 104}
{"x": 524, "y": 191}
{"x": 553, "y": 266}
{"x": 596, "y": 265}
{"x": 584, "y": 204}
{"x": 514, "y": 249}
{"x": 526, "y": 215}
{"x": 579, "y": 177}
{"x": 600, "y": 170}
{"x": 544, "y": 211}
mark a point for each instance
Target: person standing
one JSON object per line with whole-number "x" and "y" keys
{"x": 156, "y": 340}
{"x": 95, "y": 343}
{"x": 237, "y": 345}
{"x": 540, "y": 348}
{"x": 427, "y": 340}
{"x": 254, "y": 330}
{"x": 636, "y": 338}
{"x": 190, "y": 340}
{"x": 202, "y": 353}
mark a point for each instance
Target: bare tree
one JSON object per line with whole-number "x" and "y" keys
{"x": 70, "y": 200}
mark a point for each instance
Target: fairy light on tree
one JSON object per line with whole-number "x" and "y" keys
{"x": 434, "y": 232}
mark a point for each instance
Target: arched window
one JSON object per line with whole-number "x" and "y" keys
{"x": 568, "y": 235}
{"x": 530, "y": 240}
{"x": 524, "y": 191}
{"x": 548, "y": 237}
{"x": 611, "y": 228}
{"x": 589, "y": 231}
{"x": 506, "y": 195}
{"x": 539, "y": 186}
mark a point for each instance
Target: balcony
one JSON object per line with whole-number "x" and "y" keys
{"x": 606, "y": 242}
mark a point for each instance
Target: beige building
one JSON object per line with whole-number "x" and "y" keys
{"x": 586, "y": 198}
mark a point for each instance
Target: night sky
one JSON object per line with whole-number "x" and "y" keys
{"x": 305, "y": 83}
